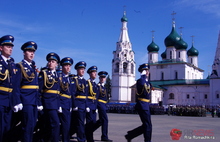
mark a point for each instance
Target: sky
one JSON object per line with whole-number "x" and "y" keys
{"x": 87, "y": 30}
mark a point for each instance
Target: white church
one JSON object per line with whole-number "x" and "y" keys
{"x": 177, "y": 78}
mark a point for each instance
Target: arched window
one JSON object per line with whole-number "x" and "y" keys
{"x": 171, "y": 96}
{"x": 125, "y": 65}
{"x": 217, "y": 96}
{"x": 117, "y": 67}
{"x": 176, "y": 75}
{"x": 205, "y": 96}
{"x": 170, "y": 54}
{"x": 187, "y": 96}
{"x": 132, "y": 68}
{"x": 162, "y": 76}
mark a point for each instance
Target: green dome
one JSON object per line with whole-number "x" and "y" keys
{"x": 172, "y": 38}
{"x": 124, "y": 18}
{"x": 163, "y": 55}
{"x": 181, "y": 44}
{"x": 192, "y": 52}
{"x": 153, "y": 47}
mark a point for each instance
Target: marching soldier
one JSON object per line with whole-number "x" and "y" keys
{"x": 26, "y": 90}
{"x": 143, "y": 106}
{"x": 102, "y": 100}
{"x": 66, "y": 86}
{"x": 92, "y": 103}
{"x": 49, "y": 87}
{"x": 7, "y": 74}
{"x": 80, "y": 100}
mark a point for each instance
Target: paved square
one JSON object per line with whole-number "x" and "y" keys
{"x": 195, "y": 128}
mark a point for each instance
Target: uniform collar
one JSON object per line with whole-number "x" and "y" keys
{"x": 27, "y": 62}
{"x": 4, "y": 58}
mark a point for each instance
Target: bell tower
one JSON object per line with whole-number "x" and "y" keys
{"x": 123, "y": 66}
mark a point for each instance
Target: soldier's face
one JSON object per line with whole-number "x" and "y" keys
{"x": 80, "y": 71}
{"x": 66, "y": 68}
{"x": 147, "y": 72}
{"x": 29, "y": 55}
{"x": 102, "y": 79}
{"x": 52, "y": 64}
{"x": 6, "y": 50}
{"x": 93, "y": 75}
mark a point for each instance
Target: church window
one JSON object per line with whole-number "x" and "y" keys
{"x": 179, "y": 54}
{"x": 132, "y": 68}
{"x": 176, "y": 75}
{"x": 125, "y": 65}
{"x": 205, "y": 96}
{"x": 162, "y": 76}
{"x": 171, "y": 96}
{"x": 117, "y": 55}
{"x": 150, "y": 56}
{"x": 117, "y": 67}
{"x": 217, "y": 96}
{"x": 187, "y": 96}
{"x": 170, "y": 54}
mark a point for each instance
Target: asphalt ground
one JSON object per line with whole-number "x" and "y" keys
{"x": 194, "y": 129}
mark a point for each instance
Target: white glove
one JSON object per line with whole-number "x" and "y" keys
{"x": 87, "y": 109}
{"x": 75, "y": 109}
{"x": 70, "y": 109}
{"x": 143, "y": 72}
{"x": 60, "y": 110}
{"x": 15, "y": 109}
{"x": 96, "y": 110}
{"x": 39, "y": 108}
{"x": 18, "y": 107}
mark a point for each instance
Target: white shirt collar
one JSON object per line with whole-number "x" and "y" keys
{"x": 4, "y": 58}
{"x": 28, "y": 62}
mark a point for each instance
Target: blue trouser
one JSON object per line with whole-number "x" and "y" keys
{"x": 52, "y": 119}
{"x": 90, "y": 122}
{"x": 5, "y": 122}
{"x": 145, "y": 117}
{"x": 103, "y": 118}
{"x": 81, "y": 114}
{"x": 145, "y": 128}
{"x": 29, "y": 118}
{"x": 65, "y": 124}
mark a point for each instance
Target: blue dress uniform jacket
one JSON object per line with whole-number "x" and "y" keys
{"x": 7, "y": 74}
{"x": 26, "y": 91}
{"x": 49, "y": 88}
{"x": 80, "y": 94}
{"x": 6, "y": 83}
{"x": 143, "y": 94}
{"x": 102, "y": 97}
{"x": 66, "y": 91}
{"x": 92, "y": 94}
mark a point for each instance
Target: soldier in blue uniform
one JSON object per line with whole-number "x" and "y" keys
{"x": 66, "y": 90}
{"x": 92, "y": 103}
{"x": 49, "y": 88}
{"x": 7, "y": 74}
{"x": 80, "y": 100}
{"x": 26, "y": 90}
{"x": 102, "y": 99}
{"x": 143, "y": 106}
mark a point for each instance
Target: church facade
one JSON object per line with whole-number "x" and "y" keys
{"x": 177, "y": 78}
